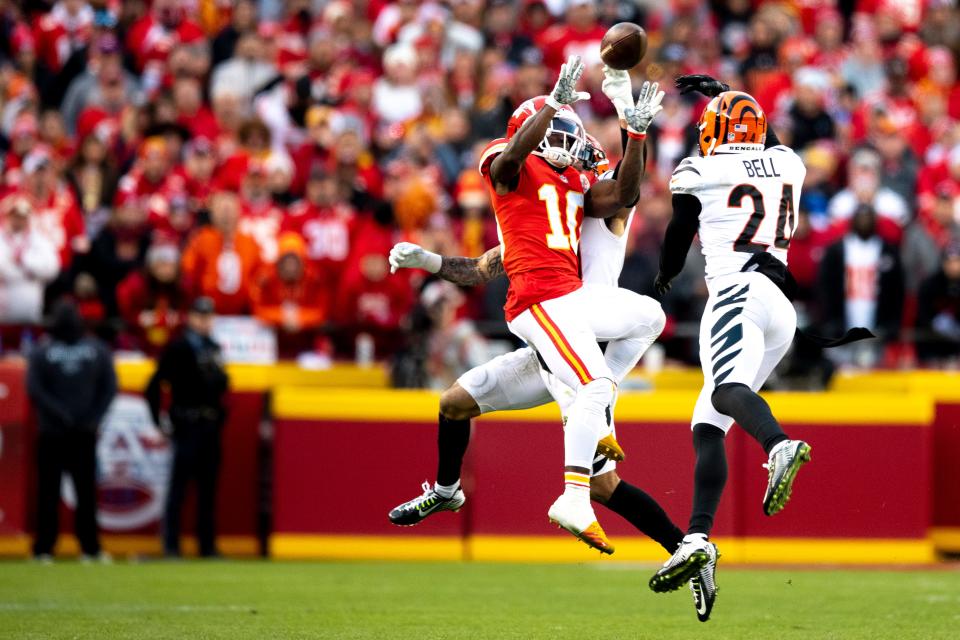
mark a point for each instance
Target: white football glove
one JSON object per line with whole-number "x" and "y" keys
{"x": 565, "y": 91}
{"x": 648, "y": 106}
{"x": 406, "y": 255}
{"x": 618, "y": 88}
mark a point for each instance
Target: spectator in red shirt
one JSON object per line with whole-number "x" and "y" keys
{"x": 62, "y": 32}
{"x": 152, "y": 183}
{"x": 369, "y": 299}
{"x": 191, "y": 112}
{"x": 326, "y": 223}
{"x": 260, "y": 218}
{"x": 806, "y": 251}
{"x": 580, "y": 34}
{"x": 151, "y": 301}
{"x": 103, "y": 115}
{"x": 291, "y": 298}
{"x": 155, "y": 35}
{"x": 314, "y": 154}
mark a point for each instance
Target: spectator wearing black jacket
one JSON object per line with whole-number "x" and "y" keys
{"x": 191, "y": 366}
{"x": 71, "y": 382}
{"x": 861, "y": 282}
{"x": 938, "y": 311}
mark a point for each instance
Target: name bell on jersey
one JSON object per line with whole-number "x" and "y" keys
{"x": 748, "y": 194}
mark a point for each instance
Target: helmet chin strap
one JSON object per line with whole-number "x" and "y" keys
{"x": 559, "y": 158}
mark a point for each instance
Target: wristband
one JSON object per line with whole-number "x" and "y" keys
{"x": 552, "y": 102}
{"x": 633, "y": 135}
{"x": 432, "y": 261}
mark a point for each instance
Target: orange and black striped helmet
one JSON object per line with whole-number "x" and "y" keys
{"x": 732, "y": 121}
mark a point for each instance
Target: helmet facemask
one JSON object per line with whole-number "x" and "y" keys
{"x": 563, "y": 142}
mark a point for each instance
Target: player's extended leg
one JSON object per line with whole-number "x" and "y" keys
{"x": 557, "y": 329}
{"x": 627, "y": 321}
{"x": 509, "y": 381}
{"x": 457, "y": 407}
{"x": 636, "y": 507}
{"x": 767, "y": 327}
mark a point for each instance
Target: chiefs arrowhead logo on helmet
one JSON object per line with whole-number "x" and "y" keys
{"x": 565, "y": 138}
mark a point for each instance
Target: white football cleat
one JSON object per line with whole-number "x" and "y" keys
{"x": 577, "y": 516}
{"x": 692, "y": 554}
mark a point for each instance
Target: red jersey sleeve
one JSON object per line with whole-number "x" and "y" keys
{"x": 490, "y": 152}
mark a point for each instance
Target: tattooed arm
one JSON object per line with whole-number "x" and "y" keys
{"x": 467, "y": 272}
{"x": 470, "y": 272}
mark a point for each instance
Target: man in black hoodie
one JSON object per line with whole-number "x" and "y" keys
{"x": 71, "y": 382}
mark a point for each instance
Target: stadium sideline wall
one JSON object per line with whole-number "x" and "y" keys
{"x": 882, "y": 487}
{"x": 866, "y": 498}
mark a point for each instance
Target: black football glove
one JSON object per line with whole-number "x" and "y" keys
{"x": 662, "y": 285}
{"x": 704, "y": 84}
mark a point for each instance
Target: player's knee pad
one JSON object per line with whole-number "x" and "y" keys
{"x": 728, "y": 396}
{"x": 594, "y": 398}
{"x": 658, "y": 319}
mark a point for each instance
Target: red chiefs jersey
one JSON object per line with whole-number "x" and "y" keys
{"x": 539, "y": 228}
{"x": 328, "y": 233}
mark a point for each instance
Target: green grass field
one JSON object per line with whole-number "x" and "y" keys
{"x": 399, "y": 600}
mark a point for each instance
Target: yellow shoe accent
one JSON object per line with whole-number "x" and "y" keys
{"x": 593, "y": 536}
{"x": 609, "y": 448}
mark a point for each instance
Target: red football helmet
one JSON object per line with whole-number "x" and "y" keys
{"x": 565, "y": 138}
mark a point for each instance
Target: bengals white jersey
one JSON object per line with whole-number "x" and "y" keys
{"x": 749, "y": 204}
{"x": 601, "y": 251}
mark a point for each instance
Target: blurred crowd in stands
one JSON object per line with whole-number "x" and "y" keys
{"x": 269, "y": 153}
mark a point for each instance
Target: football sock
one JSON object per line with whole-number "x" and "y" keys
{"x": 587, "y": 420}
{"x": 709, "y": 476}
{"x": 644, "y": 513}
{"x": 576, "y": 485}
{"x": 751, "y": 412}
{"x": 446, "y": 491}
{"x": 453, "y": 436}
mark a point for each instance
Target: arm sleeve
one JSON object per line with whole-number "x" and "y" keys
{"x": 680, "y": 232}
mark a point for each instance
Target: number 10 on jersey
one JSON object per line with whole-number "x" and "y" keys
{"x": 559, "y": 238}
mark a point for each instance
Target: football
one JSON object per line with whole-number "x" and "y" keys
{"x": 623, "y": 45}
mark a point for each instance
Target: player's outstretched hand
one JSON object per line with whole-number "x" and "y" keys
{"x": 662, "y": 285}
{"x": 707, "y": 85}
{"x": 618, "y": 88}
{"x": 565, "y": 91}
{"x": 406, "y": 255}
{"x": 648, "y": 106}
